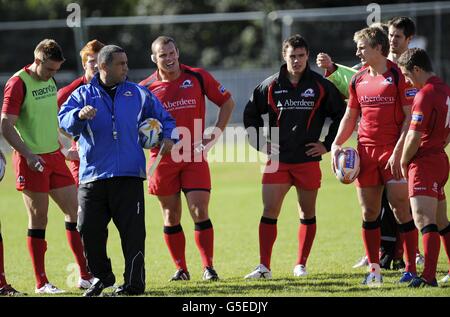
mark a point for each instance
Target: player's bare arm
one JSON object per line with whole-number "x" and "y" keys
{"x": 394, "y": 160}
{"x": 166, "y": 146}
{"x": 324, "y": 61}
{"x": 412, "y": 143}
{"x": 346, "y": 128}
{"x": 223, "y": 117}
{"x": 8, "y": 122}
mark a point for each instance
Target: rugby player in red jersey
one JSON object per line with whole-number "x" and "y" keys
{"x": 400, "y": 32}
{"x": 379, "y": 93}
{"x": 29, "y": 124}
{"x": 182, "y": 90}
{"x": 424, "y": 161}
{"x": 297, "y": 101}
{"x": 88, "y": 56}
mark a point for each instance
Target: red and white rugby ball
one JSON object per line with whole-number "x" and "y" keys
{"x": 347, "y": 165}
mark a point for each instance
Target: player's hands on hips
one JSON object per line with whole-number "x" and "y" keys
{"x": 324, "y": 61}
{"x": 87, "y": 113}
{"x": 272, "y": 149}
{"x": 395, "y": 166}
{"x": 208, "y": 141}
{"x": 35, "y": 163}
{"x": 166, "y": 146}
{"x": 335, "y": 150}
{"x": 316, "y": 149}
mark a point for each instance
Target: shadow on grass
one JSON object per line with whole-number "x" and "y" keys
{"x": 325, "y": 283}
{"x": 315, "y": 284}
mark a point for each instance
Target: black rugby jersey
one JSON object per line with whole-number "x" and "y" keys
{"x": 299, "y": 112}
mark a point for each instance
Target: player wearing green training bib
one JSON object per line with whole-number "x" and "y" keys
{"x": 29, "y": 124}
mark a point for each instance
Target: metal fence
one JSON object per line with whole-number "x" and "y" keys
{"x": 335, "y": 25}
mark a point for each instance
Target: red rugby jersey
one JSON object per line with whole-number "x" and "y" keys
{"x": 14, "y": 94}
{"x": 66, "y": 91}
{"x": 184, "y": 98}
{"x": 431, "y": 115}
{"x": 381, "y": 100}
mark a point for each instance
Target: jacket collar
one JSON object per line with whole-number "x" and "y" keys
{"x": 96, "y": 81}
{"x": 283, "y": 78}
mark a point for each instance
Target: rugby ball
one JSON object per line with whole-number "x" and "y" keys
{"x": 150, "y": 133}
{"x": 2, "y": 167}
{"x": 347, "y": 165}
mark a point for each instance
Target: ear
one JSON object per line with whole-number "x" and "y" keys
{"x": 416, "y": 69}
{"x": 153, "y": 58}
{"x": 101, "y": 66}
{"x": 409, "y": 39}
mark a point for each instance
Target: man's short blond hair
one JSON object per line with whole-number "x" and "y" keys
{"x": 374, "y": 36}
{"x": 49, "y": 49}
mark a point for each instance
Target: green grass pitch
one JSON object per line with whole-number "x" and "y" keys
{"x": 235, "y": 210}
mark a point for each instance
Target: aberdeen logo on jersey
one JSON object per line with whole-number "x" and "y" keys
{"x": 387, "y": 81}
{"x": 295, "y": 105}
{"x": 179, "y": 104}
{"x": 308, "y": 93}
{"x": 416, "y": 118}
{"x": 376, "y": 99}
{"x": 187, "y": 84}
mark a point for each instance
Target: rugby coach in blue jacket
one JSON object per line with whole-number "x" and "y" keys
{"x": 104, "y": 115}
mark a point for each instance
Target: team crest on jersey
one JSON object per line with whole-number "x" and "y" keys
{"x": 411, "y": 92}
{"x": 308, "y": 93}
{"x": 21, "y": 180}
{"x": 222, "y": 89}
{"x": 416, "y": 118}
{"x": 187, "y": 84}
{"x": 128, "y": 93}
{"x": 387, "y": 81}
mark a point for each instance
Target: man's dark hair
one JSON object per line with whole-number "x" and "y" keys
{"x": 415, "y": 57}
{"x": 106, "y": 54}
{"x": 296, "y": 41}
{"x": 405, "y": 24}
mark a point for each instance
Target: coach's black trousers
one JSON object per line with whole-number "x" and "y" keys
{"x": 122, "y": 200}
{"x": 389, "y": 227}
